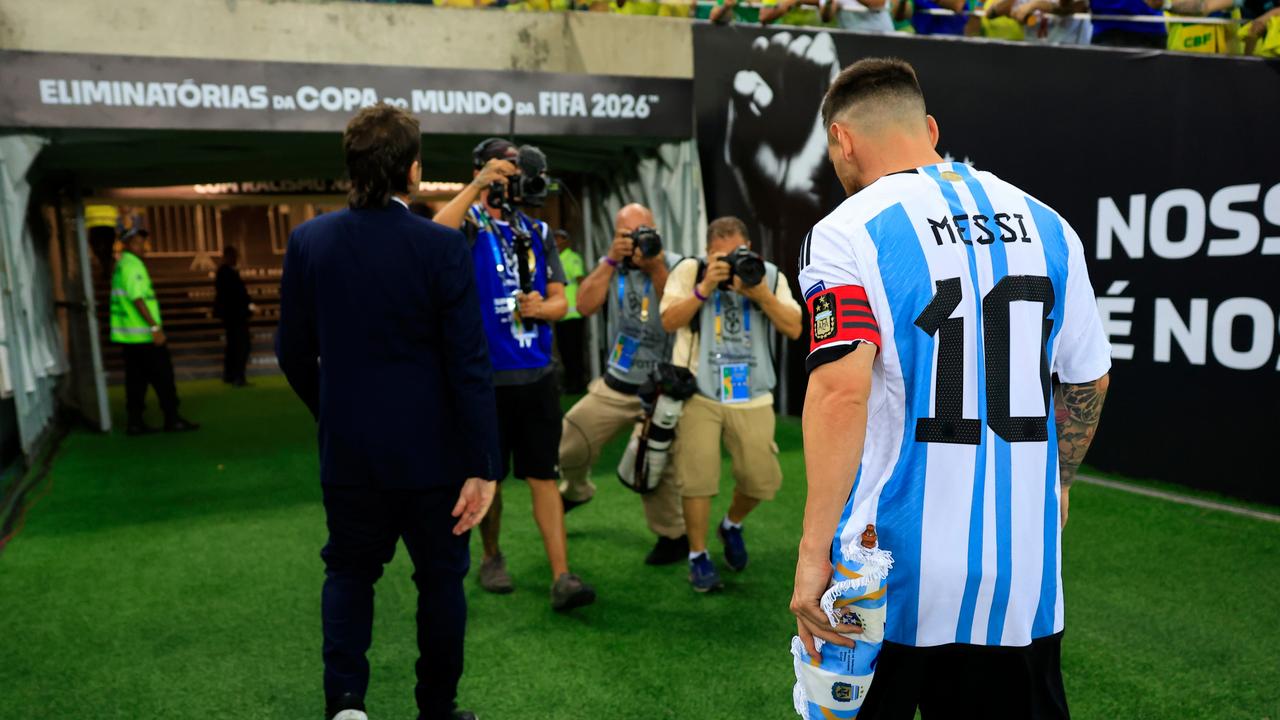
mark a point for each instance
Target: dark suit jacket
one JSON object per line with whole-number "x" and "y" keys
{"x": 231, "y": 298}
{"x": 380, "y": 335}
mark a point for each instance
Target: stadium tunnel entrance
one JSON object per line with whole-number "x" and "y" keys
{"x": 199, "y": 192}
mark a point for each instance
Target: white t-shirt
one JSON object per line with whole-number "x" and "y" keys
{"x": 855, "y": 16}
{"x": 975, "y": 294}
{"x": 1058, "y": 30}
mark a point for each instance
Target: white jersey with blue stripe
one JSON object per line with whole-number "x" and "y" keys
{"x": 981, "y": 294}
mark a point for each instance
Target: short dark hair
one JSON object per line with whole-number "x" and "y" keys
{"x": 870, "y": 78}
{"x": 726, "y": 226}
{"x": 494, "y": 147}
{"x": 381, "y": 143}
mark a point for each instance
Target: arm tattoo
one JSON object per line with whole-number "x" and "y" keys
{"x": 1078, "y": 409}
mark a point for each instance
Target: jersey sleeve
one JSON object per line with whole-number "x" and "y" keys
{"x": 840, "y": 315}
{"x": 1084, "y": 353}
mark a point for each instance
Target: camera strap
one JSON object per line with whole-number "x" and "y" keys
{"x": 644, "y": 302}
{"x": 504, "y": 251}
{"x": 746, "y": 320}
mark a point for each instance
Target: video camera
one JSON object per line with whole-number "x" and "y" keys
{"x": 647, "y": 241}
{"x": 529, "y": 187}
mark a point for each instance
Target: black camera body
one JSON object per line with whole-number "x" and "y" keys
{"x": 647, "y": 241}
{"x": 744, "y": 264}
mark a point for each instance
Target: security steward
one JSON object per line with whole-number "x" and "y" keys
{"x": 629, "y": 286}
{"x": 518, "y": 327}
{"x": 137, "y": 328}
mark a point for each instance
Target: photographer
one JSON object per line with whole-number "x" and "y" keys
{"x": 723, "y": 310}
{"x": 521, "y": 286}
{"x": 628, "y": 283}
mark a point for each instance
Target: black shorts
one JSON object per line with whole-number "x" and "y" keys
{"x": 529, "y": 428}
{"x": 968, "y": 681}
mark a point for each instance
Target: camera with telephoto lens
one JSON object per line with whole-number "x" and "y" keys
{"x": 647, "y": 241}
{"x": 662, "y": 396}
{"x": 745, "y": 264}
{"x": 527, "y": 188}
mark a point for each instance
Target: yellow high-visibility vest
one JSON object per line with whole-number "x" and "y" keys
{"x": 130, "y": 282}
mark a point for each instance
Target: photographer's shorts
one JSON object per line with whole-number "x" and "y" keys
{"x": 748, "y": 438}
{"x": 529, "y": 428}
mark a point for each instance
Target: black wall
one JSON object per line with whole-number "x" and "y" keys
{"x": 1081, "y": 129}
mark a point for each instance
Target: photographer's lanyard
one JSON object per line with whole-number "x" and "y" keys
{"x": 746, "y": 320}
{"x": 504, "y": 258}
{"x": 644, "y": 304}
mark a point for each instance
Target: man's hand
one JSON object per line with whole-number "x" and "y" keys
{"x": 813, "y": 577}
{"x": 531, "y": 305}
{"x": 473, "y": 503}
{"x": 623, "y": 247}
{"x": 770, "y": 14}
{"x": 757, "y": 293}
{"x": 496, "y": 170}
{"x": 158, "y": 337}
{"x": 717, "y": 272}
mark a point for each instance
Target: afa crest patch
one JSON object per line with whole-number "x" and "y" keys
{"x": 824, "y": 317}
{"x": 843, "y": 692}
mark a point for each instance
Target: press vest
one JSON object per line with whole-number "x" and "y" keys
{"x": 743, "y": 342}
{"x": 639, "y": 344}
{"x": 513, "y": 344}
{"x": 131, "y": 279}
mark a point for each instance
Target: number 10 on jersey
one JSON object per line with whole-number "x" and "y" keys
{"x": 948, "y": 424}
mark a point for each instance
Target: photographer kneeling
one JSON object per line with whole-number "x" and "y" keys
{"x": 628, "y": 283}
{"x": 521, "y": 287}
{"x": 723, "y": 310}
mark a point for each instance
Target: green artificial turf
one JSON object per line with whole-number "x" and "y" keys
{"x": 179, "y": 577}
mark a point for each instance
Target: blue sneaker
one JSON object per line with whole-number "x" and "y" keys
{"x": 703, "y": 576}
{"x": 735, "y": 548}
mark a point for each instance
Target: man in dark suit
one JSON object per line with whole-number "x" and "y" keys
{"x": 231, "y": 305}
{"x": 380, "y": 335}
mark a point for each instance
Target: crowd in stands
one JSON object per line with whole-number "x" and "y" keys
{"x": 1225, "y": 27}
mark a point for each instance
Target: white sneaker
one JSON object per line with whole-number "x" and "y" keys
{"x": 351, "y": 715}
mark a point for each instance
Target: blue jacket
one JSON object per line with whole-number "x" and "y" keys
{"x": 380, "y": 335}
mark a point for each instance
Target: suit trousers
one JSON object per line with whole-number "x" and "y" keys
{"x": 364, "y": 526}
{"x": 594, "y": 420}
{"x": 236, "y": 355}
{"x": 146, "y": 364}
